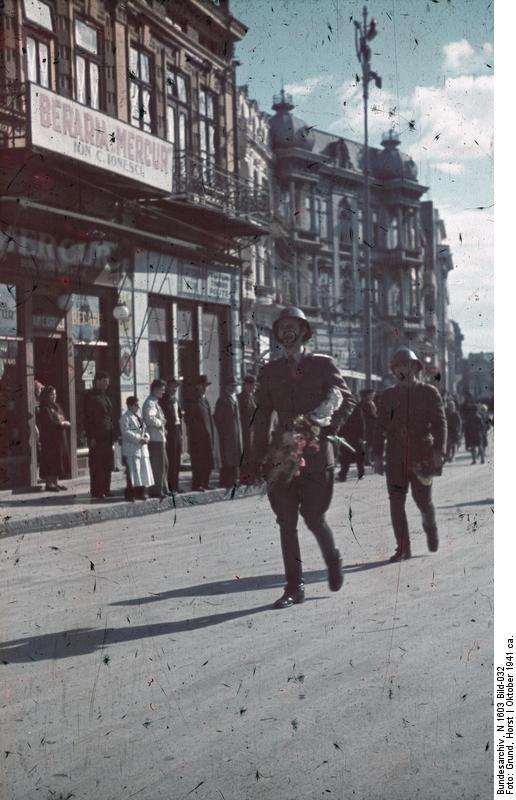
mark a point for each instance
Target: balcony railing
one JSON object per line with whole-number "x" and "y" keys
{"x": 200, "y": 181}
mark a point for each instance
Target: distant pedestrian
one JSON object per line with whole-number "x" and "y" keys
{"x": 155, "y": 422}
{"x": 135, "y": 451}
{"x": 202, "y": 438}
{"x": 411, "y": 420}
{"x": 247, "y": 406}
{"x": 53, "y": 436}
{"x": 100, "y": 434}
{"x": 304, "y": 390}
{"x": 227, "y": 420}
{"x": 472, "y": 426}
{"x": 173, "y": 417}
{"x": 454, "y": 425}
{"x": 370, "y": 412}
{"x": 354, "y": 432}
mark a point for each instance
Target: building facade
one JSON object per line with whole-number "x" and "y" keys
{"x": 319, "y": 241}
{"x": 123, "y": 209}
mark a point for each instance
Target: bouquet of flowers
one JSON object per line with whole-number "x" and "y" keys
{"x": 286, "y": 461}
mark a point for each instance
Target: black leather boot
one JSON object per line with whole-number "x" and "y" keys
{"x": 430, "y": 528}
{"x": 335, "y": 576}
{"x": 291, "y": 597}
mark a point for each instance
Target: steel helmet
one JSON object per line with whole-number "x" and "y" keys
{"x": 294, "y": 313}
{"x": 404, "y": 355}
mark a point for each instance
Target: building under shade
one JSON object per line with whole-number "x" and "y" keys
{"x": 122, "y": 207}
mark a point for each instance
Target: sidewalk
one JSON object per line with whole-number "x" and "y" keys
{"x": 32, "y": 511}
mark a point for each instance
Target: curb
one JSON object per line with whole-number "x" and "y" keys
{"x": 123, "y": 510}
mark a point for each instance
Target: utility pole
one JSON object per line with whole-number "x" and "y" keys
{"x": 364, "y": 33}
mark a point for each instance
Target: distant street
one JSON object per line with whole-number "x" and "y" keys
{"x": 141, "y": 658}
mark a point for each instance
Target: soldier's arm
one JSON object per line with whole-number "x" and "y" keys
{"x": 261, "y": 419}
{"x": 379, "y": 430}
{"x": 438, "y": 421}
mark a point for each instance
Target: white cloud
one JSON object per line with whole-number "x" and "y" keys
{"x": 449, "y": 167}
{"x": 461, "y": 57}
{"x": 306, "y": 87}
{"x": 470, "y": 283}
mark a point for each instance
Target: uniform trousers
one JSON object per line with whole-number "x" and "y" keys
{"x": 399, "y": 478}
{"x": 309, "y": 494}
{"x": 100, "y": 462}
{"x": 228, "y": 476}
{"x": 159, "y": 466}
{"x": 174, "y": 457}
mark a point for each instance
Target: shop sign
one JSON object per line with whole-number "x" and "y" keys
{"x": 219, "y": 286}
{"x": 74, "y": 130}
{"x": 190, "y": 282}
{"x": 48, "y": 322}
{"x": 44, "y": 249}
{"x": 8, "y": 322}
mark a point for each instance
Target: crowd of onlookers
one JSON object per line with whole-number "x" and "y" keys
{"x": 151, "y": 435}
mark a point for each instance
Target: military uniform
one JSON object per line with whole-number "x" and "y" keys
{"x": 412, "y": 422}
{"x": 291, "y": 387}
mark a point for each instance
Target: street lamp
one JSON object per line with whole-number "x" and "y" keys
{"x": 364, "y": 33}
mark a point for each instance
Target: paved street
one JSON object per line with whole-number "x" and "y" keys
{"x": 142, "y": 658}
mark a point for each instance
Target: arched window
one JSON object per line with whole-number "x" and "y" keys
{"x": 393, "y": 233}
{"x": 345, "y": 223}
{"x": 393, "y": 300}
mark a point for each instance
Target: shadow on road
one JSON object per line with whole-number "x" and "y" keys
{"x": 489, "y": 501}
{"x": 251, "y": 584}
{"x": 79, "y": 642}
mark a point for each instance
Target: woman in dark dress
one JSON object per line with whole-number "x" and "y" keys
{"x": 53, "y": 437}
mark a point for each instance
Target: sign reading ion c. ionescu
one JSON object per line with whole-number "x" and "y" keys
{"x": 74, "y": 130}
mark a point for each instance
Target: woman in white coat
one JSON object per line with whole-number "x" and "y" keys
{"x": 135, "y": 451}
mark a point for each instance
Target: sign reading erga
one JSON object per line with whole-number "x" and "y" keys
{"x": 74, "y": 130}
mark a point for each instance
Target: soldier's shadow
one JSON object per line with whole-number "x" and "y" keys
{"x": 249, "y": 584}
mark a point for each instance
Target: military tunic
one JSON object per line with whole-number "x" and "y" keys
{"x": 291, "y": 388}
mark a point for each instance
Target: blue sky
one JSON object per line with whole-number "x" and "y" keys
{"x": 436, "y": 62}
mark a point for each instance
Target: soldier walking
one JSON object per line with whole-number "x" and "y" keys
{"x": 247, "y": 405}
{"x": 305, "y": 384}
{"x": 411, "y": 419}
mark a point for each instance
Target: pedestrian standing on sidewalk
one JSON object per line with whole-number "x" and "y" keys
{"x": 412, "y": 422}
{"x": 353, "y": 431}
{"x": 100, "y": 434}
{"x": 135, "y": 452}
{"x": 247, "y": 406}
{"x": 53, "y": 436}
{"x": 310, "y": 386}
{"x": 227, "y": 420}
{"x": 154, "y": 420}
{"x": 202, "y": 438}
{"x": 173, "y": 418}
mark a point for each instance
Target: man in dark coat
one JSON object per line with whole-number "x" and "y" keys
{"x": 370, "y": 413}
{"x": 227, "y": 420}
{"x": 472, "y": 426}
{"x": 310, "y": 385}
{"x": 201, "y": 435}
{"x": 353, "y": 431}
{"x": 173, "y": 416}
{"x": 454, "y": 424}
{"x": 100, "y": 434}
{"x": 411, "y": 419}
{"x": 247, "y": 405}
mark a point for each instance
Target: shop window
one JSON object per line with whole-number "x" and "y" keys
{"x": 87, "y": 62}
{"x": 12, "y": 422}
{"x": 208, "y": 132}
{"x": 140, "y": 88}
{"x": 159, "y": 341}
{"x": 210, "y": 346}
